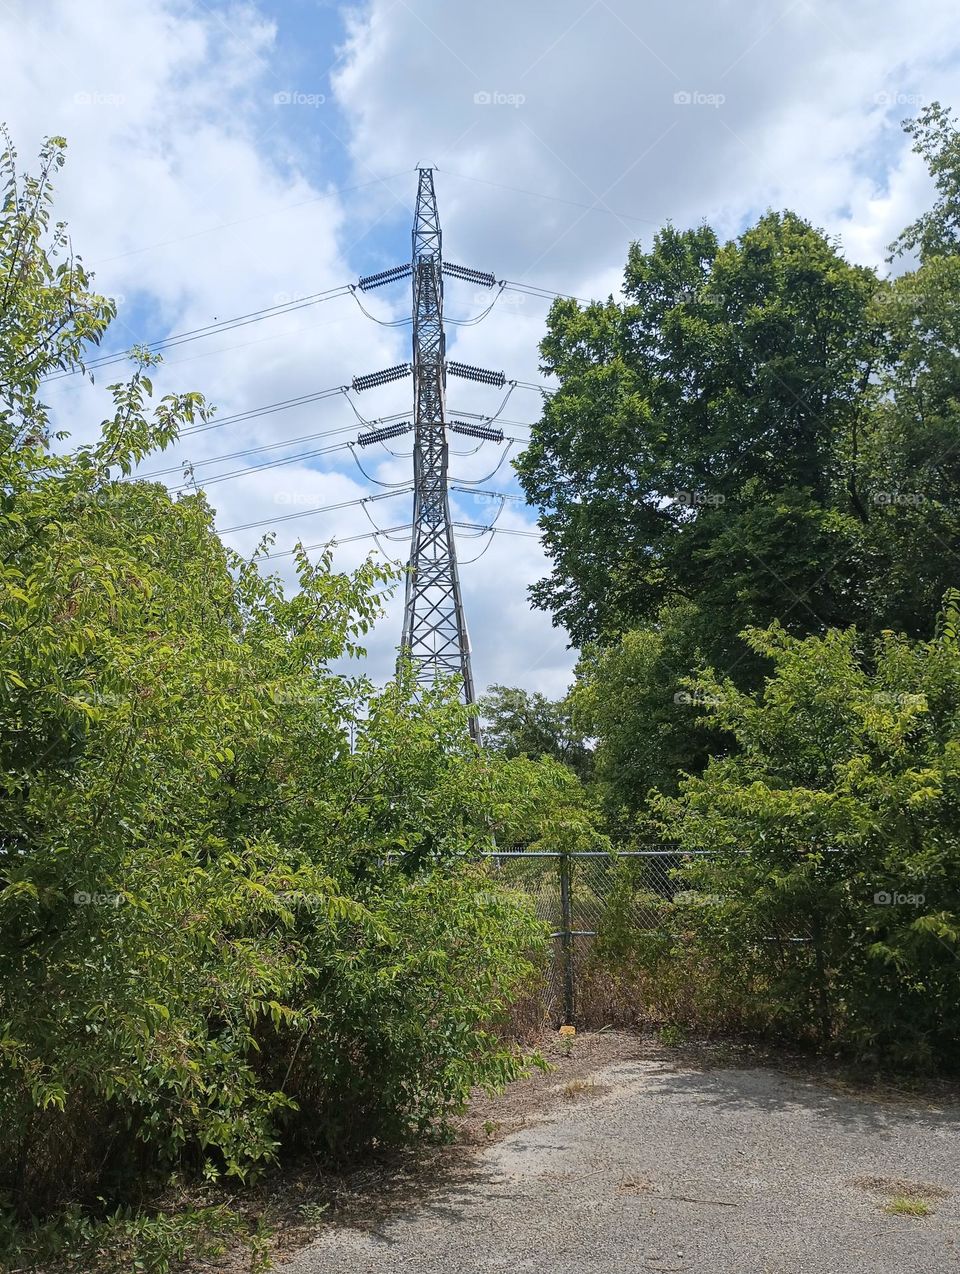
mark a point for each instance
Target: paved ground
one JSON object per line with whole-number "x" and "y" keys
{"x": 718, "y": 1171}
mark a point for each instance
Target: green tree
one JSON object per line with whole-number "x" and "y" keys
{"x": 909, "y": 460}
{"x": 518, "y": 722}
{"x": 633, "y": 697}
{"x": 695, "y": 450}
{"x": 762, "y": 432}
{"x": 936, "y": 233}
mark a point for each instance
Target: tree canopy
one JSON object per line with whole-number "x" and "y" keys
{"x": 761, "y": 432}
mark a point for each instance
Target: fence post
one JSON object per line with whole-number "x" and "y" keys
{"x": 822, "y": 995}
{"x": 566, "y": 936}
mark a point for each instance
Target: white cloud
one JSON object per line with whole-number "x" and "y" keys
{"x": 192, "y": 197}
{"x": 793, "y": 105}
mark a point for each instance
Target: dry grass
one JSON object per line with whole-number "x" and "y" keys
{"x": 575, "y": 1088}
{"x": 899, "y": 1187}
{"x": 636, "y": 1185}
{"x": 904, "y": 1198}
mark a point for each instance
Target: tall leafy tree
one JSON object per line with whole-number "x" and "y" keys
{"x": 909, "y": 460}
{"x": 518, "y": 722}
{"x": 632, "y": 697}
{"x": 936, "y": 233}
{"x": 695, "y": 450}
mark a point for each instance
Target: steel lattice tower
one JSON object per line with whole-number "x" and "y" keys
{"x": 434, "y": 629}
{"x": 435, "y": 636}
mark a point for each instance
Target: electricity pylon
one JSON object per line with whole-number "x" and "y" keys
{"x": 435, "y": 638}
{"x": 435, "y": 634}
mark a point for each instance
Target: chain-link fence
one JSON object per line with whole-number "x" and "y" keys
{"x": 598, "y": 904}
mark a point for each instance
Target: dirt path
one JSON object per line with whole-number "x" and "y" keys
{"x": 651, "y": 1164}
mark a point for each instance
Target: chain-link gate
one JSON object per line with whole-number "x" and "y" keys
{"x": 581, "y": 895}
{"x": 570, "y": 892}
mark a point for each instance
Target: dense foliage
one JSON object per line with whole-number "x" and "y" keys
{"x": 222, "y": 929}
{"x": 762, "y": 432}
{"x": 696, "y": 447}
{"x": 226, "y": 929}
{"x": 648, "y": 725}
{"x": 832, "y": 885}
{"x": 519, "y": 722}
{"x": 749, "y": 485}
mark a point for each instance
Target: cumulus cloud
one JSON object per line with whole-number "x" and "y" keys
{"x": 560, "y": 133}
{"x": 680, "y": 111}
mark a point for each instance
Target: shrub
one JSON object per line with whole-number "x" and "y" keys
{"x": 834, "y": 828}
{"x": 221, "y": 928}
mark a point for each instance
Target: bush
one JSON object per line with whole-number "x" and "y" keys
{"x": 835, "y": 864}
{"x": 221, "y": 928}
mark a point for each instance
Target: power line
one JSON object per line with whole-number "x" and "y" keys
{"x": 290, "y": 307}
{"x": 393, "y": 530}
{"x": 369, "y": 476}
{"x": 347, "y": 539}
{"x": 305, "y": 513}
{"x": 285, "y": 404}
{"x": 495, "y": 470}
{"x": 239, "y": 455}
{"x": 500, "y": 495}
{"x": 405, "y": 322}
{"x": 498, "y": 530}
{"x": 285, "y": 335}
{"x": 470, "y": 560}
{"x": 531, "y": 289}
{"x": 276, "y": 464}
{"x": 257, "y": 468}
{"x": 225, "y": 325}
{"x": 529, "y": 384}
{"x": 289, "y": 442}
{"x": 210, "y": 329}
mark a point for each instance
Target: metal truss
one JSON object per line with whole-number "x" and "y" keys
{"x": 435, "y": 638}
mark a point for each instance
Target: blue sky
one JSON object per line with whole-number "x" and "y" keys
{"x": 226, "y": 158}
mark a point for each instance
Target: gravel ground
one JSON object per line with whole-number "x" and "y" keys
{"x": 663, "y": 1166}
